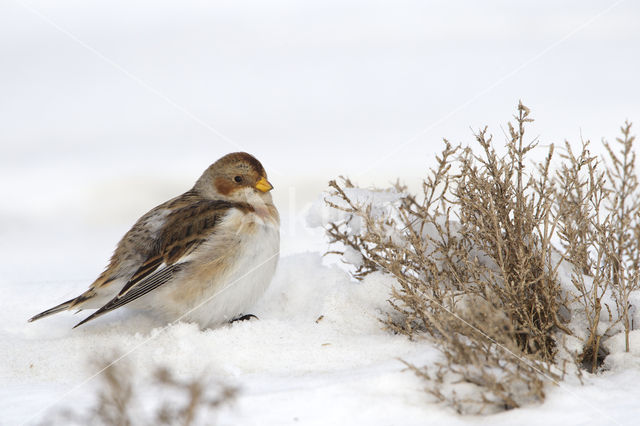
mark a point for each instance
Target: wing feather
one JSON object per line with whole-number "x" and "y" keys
{"x": 184, "y": 230}
{"x": 143, "y": 287}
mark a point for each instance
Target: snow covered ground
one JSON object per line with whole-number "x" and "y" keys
{"x": 318, "y": 355}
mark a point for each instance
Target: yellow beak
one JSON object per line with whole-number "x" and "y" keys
{"x": 264, "y": 185}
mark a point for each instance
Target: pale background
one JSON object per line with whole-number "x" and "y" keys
{"x": 109, "y": 108}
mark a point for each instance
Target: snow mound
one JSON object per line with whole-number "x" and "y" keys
{"x": 382, "y": 202}
{"x": 317, "y": 327}
{"x": 317, "y": 355}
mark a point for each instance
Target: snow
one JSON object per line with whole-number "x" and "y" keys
{"x": 317, "y": 355}
{"x": 383, "y": 203}
{"x": 318, "y": 332}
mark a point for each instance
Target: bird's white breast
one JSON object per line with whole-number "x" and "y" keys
{"x": 229, "y": 272}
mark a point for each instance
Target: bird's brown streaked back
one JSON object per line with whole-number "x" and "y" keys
{"x": 185, "y": 229}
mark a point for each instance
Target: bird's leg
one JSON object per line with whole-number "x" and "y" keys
{"x": 243, "y": 318}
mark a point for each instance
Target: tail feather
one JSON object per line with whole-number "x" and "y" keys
{"x": 59, "y": 308}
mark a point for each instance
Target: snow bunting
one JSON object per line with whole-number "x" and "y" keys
{"x": 205, "y": 256}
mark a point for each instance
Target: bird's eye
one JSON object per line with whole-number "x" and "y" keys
{"x": 238, "y": 179}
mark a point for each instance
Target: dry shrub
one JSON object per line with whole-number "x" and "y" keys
{"x": 599, "y": 217}
{"x": 175, "y": 402}
{"x": 476, "y": 268}
{"x": 583, "y": 229}
{"x": 624, "y": 207}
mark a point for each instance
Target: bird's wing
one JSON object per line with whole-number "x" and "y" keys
{"x": 183, "y": 231}
{"x": 143, "y": 287}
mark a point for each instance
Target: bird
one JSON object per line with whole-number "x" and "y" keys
{"x": 205, "y": 256}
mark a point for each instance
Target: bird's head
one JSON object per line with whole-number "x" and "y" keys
{"x": 237, "y": 176}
